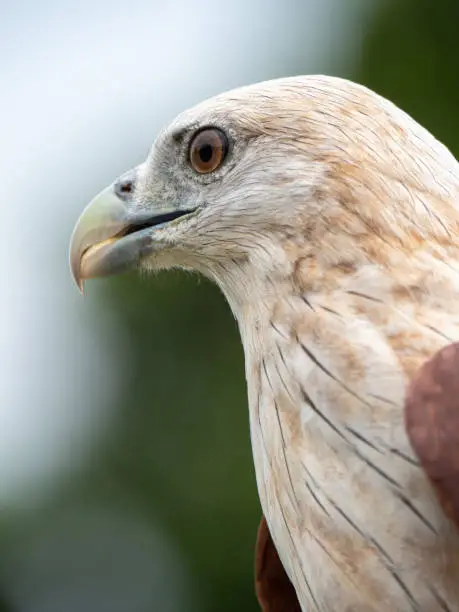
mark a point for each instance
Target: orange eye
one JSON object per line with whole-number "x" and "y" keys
{"x": 208, "y": 150}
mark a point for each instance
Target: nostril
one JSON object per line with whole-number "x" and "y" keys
{"x": 124, "y": 186}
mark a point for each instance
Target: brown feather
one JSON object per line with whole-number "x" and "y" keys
{"x": 273, "y": 587}
{"x": 432, "y": 422}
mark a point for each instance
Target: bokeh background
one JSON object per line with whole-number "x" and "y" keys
{"x": 126, "y": 477}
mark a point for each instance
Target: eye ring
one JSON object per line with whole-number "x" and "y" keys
{"x": 208, "y": 150}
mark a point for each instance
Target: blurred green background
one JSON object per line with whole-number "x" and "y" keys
{"x": 126, "y": 476}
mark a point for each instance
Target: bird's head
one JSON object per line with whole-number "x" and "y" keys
{"x": 310, "y": 169}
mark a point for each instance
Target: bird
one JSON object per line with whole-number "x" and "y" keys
{"x": 329, "y": 218}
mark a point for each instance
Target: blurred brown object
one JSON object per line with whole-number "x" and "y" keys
{"x": 273, "y": 587}
{"x": 432, "y": 423}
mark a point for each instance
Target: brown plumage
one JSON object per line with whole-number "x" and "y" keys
{"x": 432, "y": 421}
{"x": 274, "y": 590}
{"x": 329, "y": 218}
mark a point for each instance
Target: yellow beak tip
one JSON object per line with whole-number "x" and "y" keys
{"x": 75, "y": 267}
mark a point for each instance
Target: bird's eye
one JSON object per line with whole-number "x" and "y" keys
{"x": 208, "y": 150}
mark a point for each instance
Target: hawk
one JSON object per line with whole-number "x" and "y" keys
{"x": 329, "y": 219}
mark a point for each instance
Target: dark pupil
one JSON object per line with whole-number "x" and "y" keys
{"x": 205, "y": 153}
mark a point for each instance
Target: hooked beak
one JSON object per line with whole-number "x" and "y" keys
{"x": 109, "y": 238}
